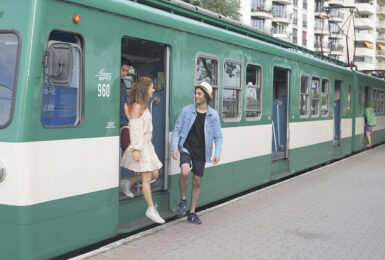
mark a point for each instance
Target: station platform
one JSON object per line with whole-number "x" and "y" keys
{"x": 334, "y": 212}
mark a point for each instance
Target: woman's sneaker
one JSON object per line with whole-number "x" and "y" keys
{"x": 153, "y": 214}
{"x": 193, "y": 218}
{"x": 125, "y": 185}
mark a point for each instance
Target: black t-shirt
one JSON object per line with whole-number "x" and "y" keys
{"x": 195, "y": 141}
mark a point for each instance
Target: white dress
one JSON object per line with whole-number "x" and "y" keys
{"x": 141, "y": 136}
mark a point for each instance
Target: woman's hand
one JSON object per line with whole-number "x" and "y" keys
{"x": 136, "y": 155}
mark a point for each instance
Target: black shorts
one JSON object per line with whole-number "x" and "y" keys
{"x": 198, "y": 167}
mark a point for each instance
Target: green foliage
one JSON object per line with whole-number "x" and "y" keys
{"x": 229, "y": 8}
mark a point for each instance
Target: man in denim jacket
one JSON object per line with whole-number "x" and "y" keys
{"x": 196, "y": 128}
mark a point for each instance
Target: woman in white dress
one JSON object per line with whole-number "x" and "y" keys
{"x": 140, "y": 155}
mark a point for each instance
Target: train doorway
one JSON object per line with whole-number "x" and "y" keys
{"x": 148, "y": 59}
{"x": 280, "y": 113}
{"x": 367, "y": 96}
{"x": 337, "y": 112}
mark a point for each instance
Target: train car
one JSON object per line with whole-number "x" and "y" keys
{"x": 368, "y": 89}
{"x": 283, "y": 109}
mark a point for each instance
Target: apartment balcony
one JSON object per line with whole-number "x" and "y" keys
{"x": 284, "y": 2}
{"x": 365, "y": 8}
{"x": 320, "y": 30}
{"x": 320, "y": 12}
{"x": 336, "y": 35}
{"x": 381, "y": 11}
{"x": 364, "y": 23}
{"x": 325, "y": 47}
{"x": 365, "y": 52}
{"x": 361, "y": 37}
{"x": 381, "y": 25}
{"x": 281, "y": 35}
{"x": 337, "y": 17}
{"x": 380, "y": 54}
{"x": 380, "y": 66}
{"x": 364, "y": 66}
{"x": 337, "y": 50}
{"x": 380, "y": 39}
{"x": 336, "y": 2}
{"x": 265, "y": 29}
{"x": 281, "y": 17}
{"x": 261, "y": 12}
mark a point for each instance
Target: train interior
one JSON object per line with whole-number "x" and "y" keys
{"x": 280, "y": 122}
{"x": 147, "y": 59}
{"x": 337, "y": 112}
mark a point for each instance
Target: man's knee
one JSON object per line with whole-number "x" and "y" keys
{"x": 197, "y": 181}
{"x": 185, "y": 170}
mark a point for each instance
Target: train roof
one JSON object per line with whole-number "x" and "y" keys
{"x": 200, "y": 15}
{"x": 208, "y": 17}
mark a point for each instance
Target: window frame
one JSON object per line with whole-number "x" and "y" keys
{"x": 307, "y": 94}
{"x": 349, "y": 101}
{"x": 16, "y": 76}
{"x": 215, "y": 87}
{"x": 359, "y": 100}
{"x": 258, "y": 118}
{"x": 239, "y": 116}
{"x": 327, "y": 97}
{"x": 315, "y": 78}
{"x": 80, "y": 45}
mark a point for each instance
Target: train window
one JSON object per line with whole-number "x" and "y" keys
{"x": 253, "y": 97}
{"x": 9, "y": 49}
{"x": 315, "y": 97}
{"x": 375, "y": 100}
{"x": 62, "y": 101}
{"x": 304, "y": 97}
{"x": 349, "y": 99}
{"x": 359, "y": 100}
{"x": 207, "y": 71}
{"x": 325, "y": 97}
{"x": 231, "y": 95}
{"x": 382, "y": 101}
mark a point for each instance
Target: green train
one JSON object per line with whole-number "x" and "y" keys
{"x": 283, "y": 109}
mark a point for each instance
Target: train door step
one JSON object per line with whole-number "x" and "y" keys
{"x": 279, "y": 169}
{"x": 142, "y": 222}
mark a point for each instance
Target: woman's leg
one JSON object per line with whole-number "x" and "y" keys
{"x": 146, "y": 188}
{"x": 135, "y": 179}
{"x": 155, "y": 174}
{"x": 368, "y": 133}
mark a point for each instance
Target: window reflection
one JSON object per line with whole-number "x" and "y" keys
{"x": 231, "y": 90}
{"x": 9, "y": 44}
{"x": 253, "y": 92}
{"x": 207, "y": 71}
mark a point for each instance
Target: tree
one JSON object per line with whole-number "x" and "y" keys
{"x": 229, "y": 8}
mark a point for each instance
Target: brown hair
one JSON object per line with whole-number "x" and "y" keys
{"x": 367, "y": 104}
{"x": 139, "y": 92}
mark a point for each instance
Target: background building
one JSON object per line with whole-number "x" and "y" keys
{"x": 331, "y": 27}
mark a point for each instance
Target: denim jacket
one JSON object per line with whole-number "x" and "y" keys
{"x": 212, "y": 129}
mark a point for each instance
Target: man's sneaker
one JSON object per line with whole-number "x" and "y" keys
{"x": 181, "y": 210}
{"x": 193, "y": 218}
{"x": 125, "y": 185}
{"x": 153, "y": 214}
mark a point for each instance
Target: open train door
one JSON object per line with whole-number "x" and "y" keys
{"x": 149, "y": 59}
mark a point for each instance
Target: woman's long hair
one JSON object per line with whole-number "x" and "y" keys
{"x": 139, "y": 92}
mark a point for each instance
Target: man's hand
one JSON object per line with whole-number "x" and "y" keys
{"x": 215, "y": 160}
{"x": 175, "y": 154}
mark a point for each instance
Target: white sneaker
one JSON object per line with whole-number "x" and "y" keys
{"x": 125, "y": 185}
{"x": 153, "y": 214}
